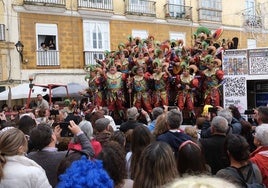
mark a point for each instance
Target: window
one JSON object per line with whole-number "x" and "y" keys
{"x": 176, "y": 8}
{"x": 47, "y": 45}
{"x": 210, "y": 10}
{"x": 2, "y": 32}
{"x": 143, "y": 34}
{"x": 251, "y": 43}
{"x": 177, "y": 36}
{"x": 96, "y": 40}
{"x": 250, "y": 7}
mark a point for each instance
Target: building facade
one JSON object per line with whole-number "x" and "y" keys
{"x": 81, "y": 30}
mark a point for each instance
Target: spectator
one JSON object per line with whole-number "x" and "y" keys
{"x": 262, "y": 115}
{"x": 157, "y": 166}
{"x": 42, "y": 103}
{"x": 103, "y": 134}
{"x": 44, "y": 140}
{"x": 213, "y": 147}
{"x": 160, "y": 125}
{"x": 113, "y": 157}
{"x": 241, "y": 172}
{"x": 174, "y": 136}
{"x": 119, "y": 137}
{"x": 15, "y": 168}
{"x": 205, "y": 128}
{"x": 71, "y": 156}
{"x": 260, "y": 155}
{"x": 131, "y": 123}
{"x": 87, "y": 174}
{"x": 51, "y": 45}
{"x": 26, "y": 124}
{"x": 86, "y": 127}
{"x": 190, "y": 159}
{"x": 192, "y": 132}
{"x": 157, "y": 111}
{"x": 43, "y": 47}
{"x": 141, "y": 137}
{"x": 200, "y": 181}
{"x": 106, "y": 115}
{"x": 234, "y": 125}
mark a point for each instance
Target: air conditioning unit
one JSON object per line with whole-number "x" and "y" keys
{"x": 2, "y": 32}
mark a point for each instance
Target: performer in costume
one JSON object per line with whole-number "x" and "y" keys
{"x": 161, "y": 78}
{"x": 187, "y": 83}
{"x": 140, "y": 89}
{"x": 96, "y": 84}
{"x": 211, "y": 76}
{"x": 114, "y": 87}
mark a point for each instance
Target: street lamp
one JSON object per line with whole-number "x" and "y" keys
{"x": 19, "y": 48}
{"x": 30, "y": 91}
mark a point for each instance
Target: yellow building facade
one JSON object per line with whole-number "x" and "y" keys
{"x": 83, "y": 29}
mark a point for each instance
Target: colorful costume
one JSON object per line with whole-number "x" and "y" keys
{"x": 211, "y": 82}
{"x": 95, "y": 86}
{"x": 160, "y": 78}
{"x": 140, "y": 88}
{"x": 186, "y": 84}
{"x": 114, "y": 86}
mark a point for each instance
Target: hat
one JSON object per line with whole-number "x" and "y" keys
{"x": 101, "y": 124}
{"x": 132, "y": 113}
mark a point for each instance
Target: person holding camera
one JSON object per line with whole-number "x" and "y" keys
{"x": 44, "y": 141}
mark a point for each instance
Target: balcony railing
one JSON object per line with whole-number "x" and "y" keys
{"x": 208, "y": 14}
{"x": 181, "y": 12}
{"x": 140, "y": 7}
{"x": 48, "y": 58}
{"x": 45, "y": 2}
{"x": 96, "y": 4}
{"x": 92, "y": 56}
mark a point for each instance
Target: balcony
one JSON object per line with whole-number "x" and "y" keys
{"x": 140, "y": 7}
{"x": 92, "y": 56}
{"x": 45, "y": 2}
{"x": 253, "y": 21}
{"x": 45, "y": 5}
{"x": 48, "y": 58}
{"x": 180, "y": 12}
{"x": 96, "y": 4}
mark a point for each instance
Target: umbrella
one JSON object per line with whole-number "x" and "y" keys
{"x": 73, "y": 89}
{"x": 21, "y": 92}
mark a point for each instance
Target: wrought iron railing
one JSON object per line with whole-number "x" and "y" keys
{"x": 91, "y": 57}
{"x": 96, "y": 4}
{"x": 48, "y": 58}
{"x": 140, "y": 7}
{"x": 44, "y": 2}
{"x": 175, "y": 11}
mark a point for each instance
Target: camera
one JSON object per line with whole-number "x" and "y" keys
{"x": 249, "y": 112}
{"x": 213, "y": 110}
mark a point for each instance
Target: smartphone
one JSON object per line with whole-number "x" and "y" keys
{"x": 213, "y": 110}
{"x": 65, "y": 132}
{"x": 249, "y": 112}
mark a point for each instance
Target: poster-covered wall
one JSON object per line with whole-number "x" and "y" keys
{"x": 235, "y": 66}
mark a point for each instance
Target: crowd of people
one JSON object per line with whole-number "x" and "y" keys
{"x": 127, "y": 131}
{"x": 144, "y": 150}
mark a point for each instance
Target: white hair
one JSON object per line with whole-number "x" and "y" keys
{"x": 262, "y": 134}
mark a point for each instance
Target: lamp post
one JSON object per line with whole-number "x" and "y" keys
{"x": 19, "y": 48}
{"x": 30, "y": 91}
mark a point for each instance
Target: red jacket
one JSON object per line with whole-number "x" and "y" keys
{"x": 260, "y": 158}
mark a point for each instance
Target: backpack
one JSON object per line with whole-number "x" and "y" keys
{"x": 238, "y": 174}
